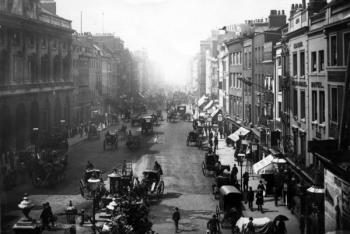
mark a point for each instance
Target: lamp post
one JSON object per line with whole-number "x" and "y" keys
{"x": 240, "y": 158}
{"x": 35, "y": 138}
{"x": 93, "y": 183}
{"x": 26, "y": 206}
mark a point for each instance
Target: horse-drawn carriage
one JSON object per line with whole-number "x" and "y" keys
{"x": 121, "y": 179}
{"x": 133, "y": 142}
{"x": 85, "y": 188}
{"x": 229, "y": 209}
{"x": 172, "y": 116}
{"x": 147, "y": 124}
{"x": 159, "y": 115}
{"x": 153, "y": 183}
{"x": 135, "y": 119}
{"x": 94, "y": 132}
{"x": 48, "y": 173}
{"x": 211, "y": 163}
{"x": 195, "y": 137}
{"x": 111, "y": 139}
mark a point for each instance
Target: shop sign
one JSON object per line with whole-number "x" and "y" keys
{"x": 317, "y": 85}
{"x": 298, "y": 45}
{"x": 254, "y": 147}
{"x": 299, "y": 83}
{"x": 220, "y": 117}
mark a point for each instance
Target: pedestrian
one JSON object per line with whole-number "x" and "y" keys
{"x": 176, "y": 218}
{"x": 284, "y": 192}
{"x": 221, "y": 131}
{"x": 210, "y": 135}
{"x": 155, "y": 139}
{"x": 52, "y": 217}
{"x": 302, "y": 224}
{"x": 275, "y": 195}
{"x": 45, "y": 217}
{"x": 261, "y": 186}
{"x": 216, "y": 142}
{"x": 213, "y": 225}
{"x": 250, "y": 227}
{"x": 260, "y": 200}
{"x": 250, "y": 198}
{"x": 245, "y": 181}
{"x": 281, "y": 228}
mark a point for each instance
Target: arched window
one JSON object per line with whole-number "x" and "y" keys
{"x": 32, "y": 68}
{"x": 4, "y": 67}
{"x": 20, "y": 127}
{"x": 57, "y": 68}
{"x": 18, "y": 67}
{"x": 45, "y": 68}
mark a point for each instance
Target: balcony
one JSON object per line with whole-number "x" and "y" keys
{"x": 55, "y": 20}
{"x": 18, "y": 89}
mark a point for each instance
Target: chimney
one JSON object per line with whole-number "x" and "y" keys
{"x": 316, "y": 5}
{"x": 301, "y": 6}
{"x": 282, "y": 12}
{"x": 304, "y": 4}
{"x": 276, "y": 20}
{"x": 292, "y": 10}
{"x": 49, "y": 5}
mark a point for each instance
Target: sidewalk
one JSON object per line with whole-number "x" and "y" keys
{"x": 226, "y": 157}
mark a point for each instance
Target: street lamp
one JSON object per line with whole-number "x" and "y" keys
{"x": 94, "y": 184}
{"x": 26, "y": 206}
{"x": 240, "y": 158}
{"x": 71, "y": 213}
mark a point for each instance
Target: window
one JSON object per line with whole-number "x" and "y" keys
{"x": 295, "y": 64}
{"x": 245, "y": 64}
{"x": 230, "y": 81}
{"x": 321, "y": 60}
{"x": 334, "y": 104}
{"x": 302, "y": 104}
{"x": 313, "y": 61}
{"x": 302, "y": 63}
{"x": 279, "y": 61}
{"x": 346, "y": 47}
{"x": 250, "y": 60}
{"x": 314, "y": 105}
{"x": 333, "y": 50}
{"x": 16, "y": 39}
{"x": 322, "y": 107}
{"x": 295, "y": 102}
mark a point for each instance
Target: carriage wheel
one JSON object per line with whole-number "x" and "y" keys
{"x": 203, "y": 169}
{"x": 160, "y": 191}
{"x": 81, "y": 186}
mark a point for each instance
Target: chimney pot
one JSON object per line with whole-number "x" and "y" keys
{"x": 292, "y": 7}
{"x": 282, "y": 12}
{"x": 279, "y": 12}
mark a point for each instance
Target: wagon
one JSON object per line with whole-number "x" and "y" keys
{"x": 229, "y": 209}
{"x": 111, "y": 140}
{"x": 85, "y": 188}
{"x": 147, "y": 124}
{"x": 94, "y": 132}
{"x": 154, "y": 184}
{"x": 192, "y": 137}
{"x": 211, "y": 163}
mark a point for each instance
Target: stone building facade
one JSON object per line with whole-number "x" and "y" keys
{"x": 35, "y": 72}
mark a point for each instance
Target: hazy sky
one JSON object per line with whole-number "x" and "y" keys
{"x": 170, "y": 30}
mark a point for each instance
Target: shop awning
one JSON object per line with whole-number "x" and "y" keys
{"x": 242, "y": 131}
{"x": 140, "y": 95}
{"x": 233, "y": 137}
{"x": 210, "y": 104}
{"x": 202, "y": 100}
{"x": 217, "y": 111}
{"x": 264, "y": 166}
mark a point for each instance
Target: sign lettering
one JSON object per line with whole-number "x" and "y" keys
{"x": 298, "y": 45}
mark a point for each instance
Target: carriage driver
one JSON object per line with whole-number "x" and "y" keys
{"x": 158, "y": 168}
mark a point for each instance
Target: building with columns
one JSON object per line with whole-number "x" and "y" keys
{"x": 35, "y": 71}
